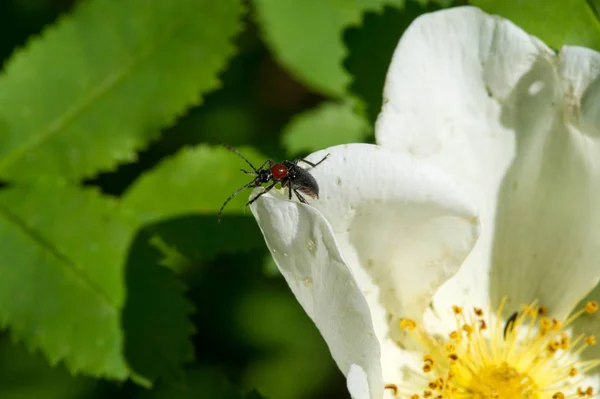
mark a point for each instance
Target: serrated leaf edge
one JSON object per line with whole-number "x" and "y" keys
{"x": 123, "y": 157}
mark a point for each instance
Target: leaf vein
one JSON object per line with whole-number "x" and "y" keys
{"x": 70, "y": 265}
{"x": 71, "y": 114}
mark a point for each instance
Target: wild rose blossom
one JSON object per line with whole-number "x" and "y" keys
{"x": 450, "y": 260}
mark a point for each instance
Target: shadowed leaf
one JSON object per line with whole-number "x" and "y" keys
{"x": 306, "y": 37}
{"x": 199, "y": 237}
{"x": 203, "y": 383}
{"x": 27, "y": 375}
{"x": 156, "y": 315}
{"x": 367, "y": 63}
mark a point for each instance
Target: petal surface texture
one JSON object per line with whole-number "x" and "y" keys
{"x": 385, "y": 233}
{"x": 518, "y": 128}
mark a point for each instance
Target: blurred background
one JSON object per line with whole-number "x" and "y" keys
{"x": 249, "y": 331}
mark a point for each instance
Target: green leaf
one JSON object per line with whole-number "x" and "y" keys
{"x": 307, "y": 37}
{"x": 195, "y": 181}
{"x": 98, "y": 86}
{"x": 326, "y": 125}
{"x": 201, "y": 238}
{"x": 295, "y": 362}
{"x": 202, "y": 383}
{"x": 156, "y": 316}
{"x": 556, "y": 22}
{"x": 172, "y": 258}
{"x": 270, "y": 268}
{"x": 595, "y": 7}
{"x": 369, "y": 63}
{"x": 254, "y": 395}
{"x": 27, "y": 375}
{"x": 61, "y": 285}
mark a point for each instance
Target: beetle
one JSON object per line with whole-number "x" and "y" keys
{"x": 286, "y": 173}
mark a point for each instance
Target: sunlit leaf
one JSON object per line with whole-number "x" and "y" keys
{"x": 101, "y": 83}
{"x": 327, "y": 125}
{"x": 194, "y": 181}
{"x": 556, "y": 22}
{"x": 61, "y": 279}
{"x": 64, "y": 280}
{"x": 307, "y": 37}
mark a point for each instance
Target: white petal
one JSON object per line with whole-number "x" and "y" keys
{"x": 501, "y": 113}
{"x": 304, "y": 249}
{"x": 357, "y": 383}
{"x": 387, "y": 228}
{"x": 403, "y": 227}
{"x": 548, "y": 235}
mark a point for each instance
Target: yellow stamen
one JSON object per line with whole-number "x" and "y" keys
{"x": 526, "y": 356}
{"x": 429, "y": 359}
{"x": 407, "y": 324}
{"x": 591, "y": 307}
{"x": 393, "y": 388}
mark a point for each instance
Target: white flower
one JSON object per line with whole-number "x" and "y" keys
{"x": 482, "y": 197}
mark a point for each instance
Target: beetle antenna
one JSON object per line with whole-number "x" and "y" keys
{"x": 232, "y": 195}
{"x": 239, "y": 155}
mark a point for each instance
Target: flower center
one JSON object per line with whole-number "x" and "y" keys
{"x": 502, "y": 381}
{"x": 527, "y": 356}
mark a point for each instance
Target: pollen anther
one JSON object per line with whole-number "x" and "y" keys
{"x": 392, "y": 387}
{"x": 573, "y": 372}
{"x": 481, "y": 358}
{"x": 407, "y": 324}
{"x": 591, "y": 307}
{"x": 482, "y": 325}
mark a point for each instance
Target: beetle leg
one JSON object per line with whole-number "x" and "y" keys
{"x": 313, "y": 164}
{"x": 300, "y": 198}
{"x": 286, "y": 183}
{"x": 266, "y": 190}
{"x": 268, "y": 161}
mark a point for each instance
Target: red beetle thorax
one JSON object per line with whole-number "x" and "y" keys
{"x": 279, "y": 171}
